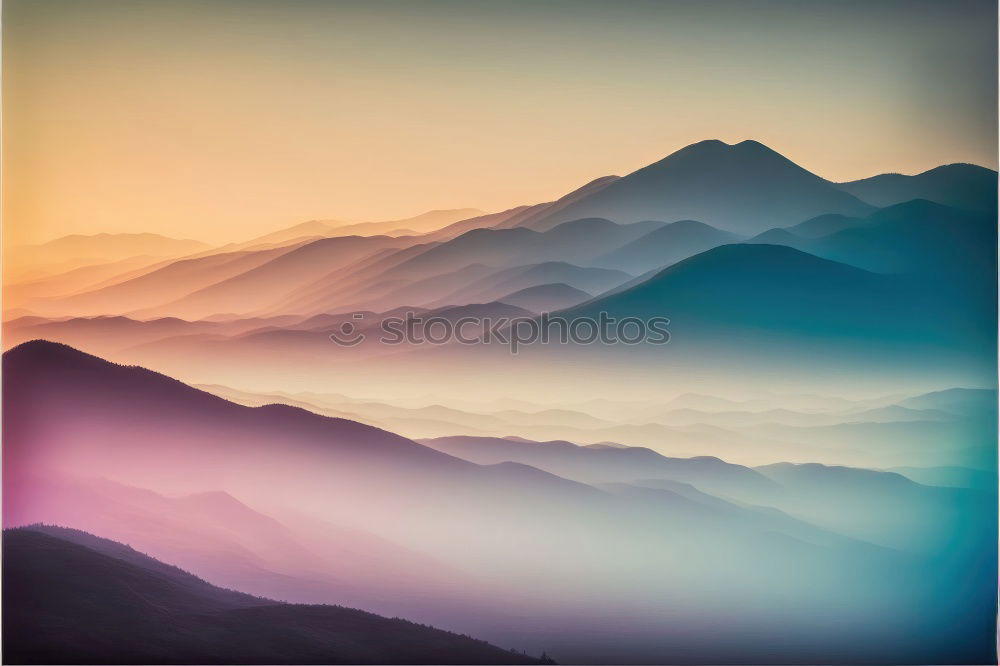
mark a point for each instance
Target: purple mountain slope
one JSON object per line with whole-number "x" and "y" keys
{"x": 75, "y": 598}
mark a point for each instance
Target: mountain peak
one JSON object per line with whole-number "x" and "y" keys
{"x": 718, "y": 146}
{"x": 744, "y": 188}
{"x": 57, "y": 352}
{"x": 751, "y": 143}
{"x": 705, "y": 144}
{"x": 715, "y": 153}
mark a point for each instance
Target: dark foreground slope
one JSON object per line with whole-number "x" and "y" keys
{"x": 67, "y": 603}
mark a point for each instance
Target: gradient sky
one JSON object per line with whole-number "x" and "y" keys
{"x": 224, "y": 119}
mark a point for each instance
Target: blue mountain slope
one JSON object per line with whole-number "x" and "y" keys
{"x": 748, "y": 294}
{"x": 665, "y": 246}
{"x": 960, "y": 185}
{"x": 917, "y": 236}
{"x": 947, "y": 254}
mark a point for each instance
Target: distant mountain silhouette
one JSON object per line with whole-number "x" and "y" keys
{"x": 481, "y": 222}
{"x": 806, "y": 492}
{"x": 432, "y": 220}
{"x": 824, "y": 225}
{"x": 605, "y": 465}
{"x": 303, "y": 230}
{"x": 66, "y": 602}
{"x": 162, "y": 284}
{"x": 521, "y": 215}
{"x": 493, "y": 310}
{"x": 262, "y": 285}
{"x": 743, "y": 188}
{"x": 665, "y": 246}
{"x": 527, "y": 217}
{"x": 933, "y": 520}
{"x": 930, "y": 442}
{"x": 577, "y": 241}
{"x": 500, "y": 283}
{"x": 101, "y": 334}
{"x": 780, "y": 237}
{"x": 425, "y": 222}
{"x": 478, "y": 246}
{"x": 387, "y": 294}
{"x": 64, "y": 282}
{"x": 80, "y": 248}
{"x": 740, "y": 419}
{"x": 369, "y": 277}
{"x": 960, "y": 185}
{"x": 962, "y": 401}
{"x": 110, "y": 335}
{"x": 546, "y": 297}
{"x": 391, "y": 278}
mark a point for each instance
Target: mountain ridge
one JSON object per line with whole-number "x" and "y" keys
{"x": 960, "y": 184}
{"x": 146, "y": 616}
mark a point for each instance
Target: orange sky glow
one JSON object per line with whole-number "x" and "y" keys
{"x": 224, "y": 120}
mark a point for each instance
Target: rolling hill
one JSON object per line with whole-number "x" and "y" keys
{"x": 79, "y": 249}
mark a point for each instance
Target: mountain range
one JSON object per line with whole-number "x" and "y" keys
{"x": 79, "y": 250}
{"x": 705, "y": 195}
{"x": 73, "y": 416}
{"x": 802, "y": 473}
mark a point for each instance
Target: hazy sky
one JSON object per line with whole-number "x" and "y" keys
{"x": 221, "y": 120}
